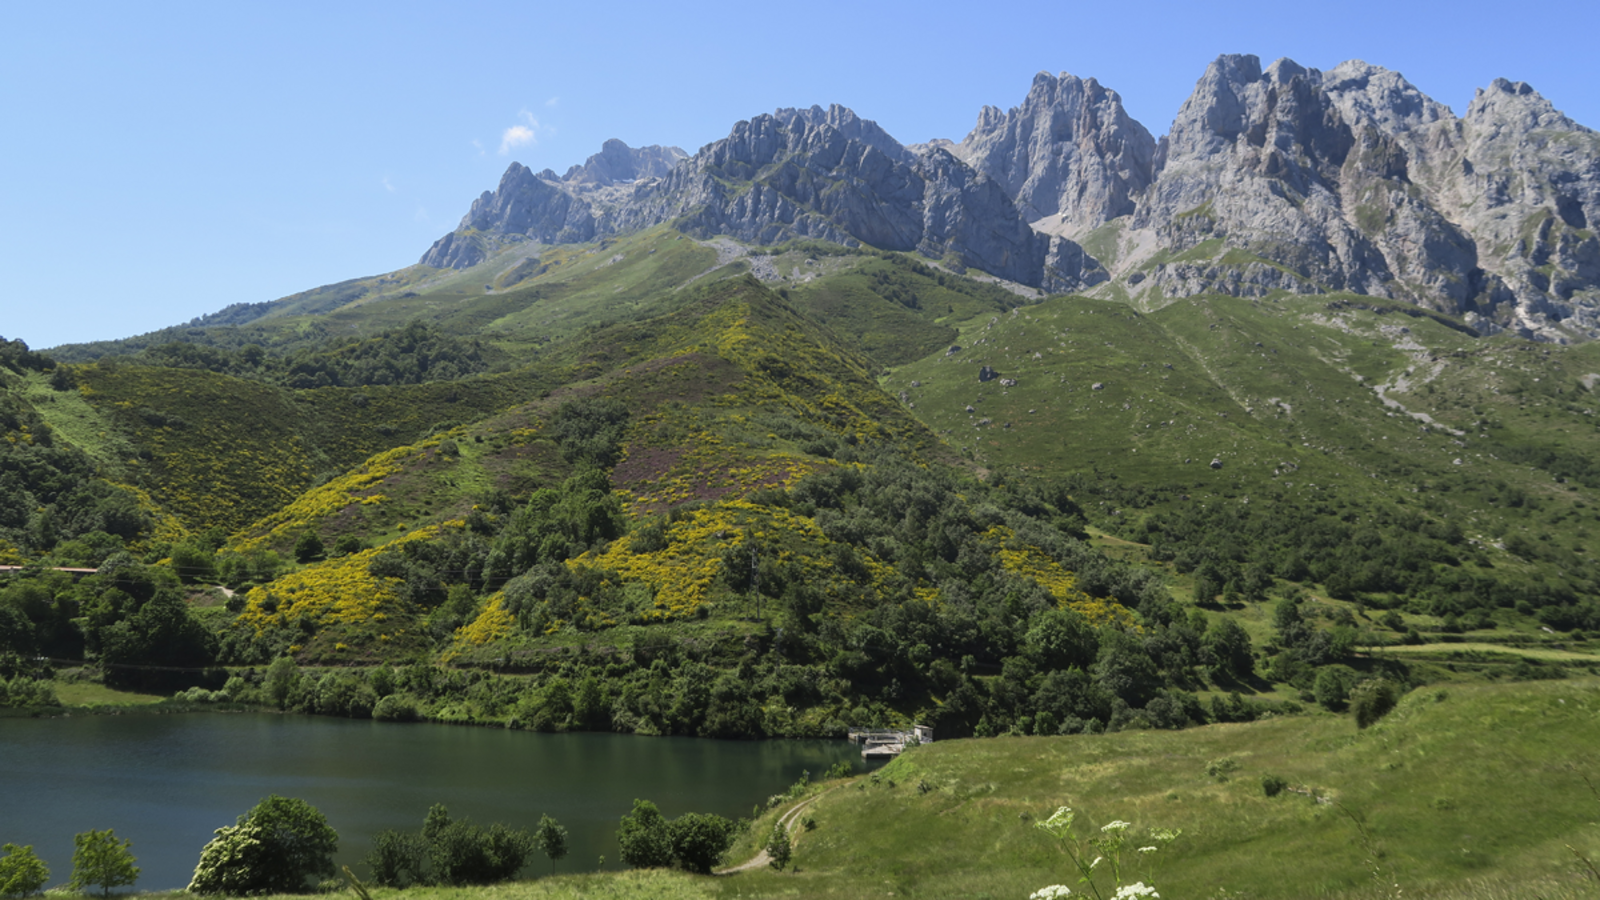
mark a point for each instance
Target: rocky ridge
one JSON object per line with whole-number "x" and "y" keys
{"x": 1278, "y": 178}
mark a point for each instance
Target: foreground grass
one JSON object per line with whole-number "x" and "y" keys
{"x": 1474, "y": 792}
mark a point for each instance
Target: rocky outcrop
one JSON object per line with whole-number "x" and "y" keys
{"x": 1292, "y": 179}
{"x": 617, "y": 163}
{"x": 823, "y": 174}
{"x": 1524, "y": 180}
{"x": 1070, "y": 153}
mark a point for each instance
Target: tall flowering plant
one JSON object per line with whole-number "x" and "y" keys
{"x": 1107, "y": 848}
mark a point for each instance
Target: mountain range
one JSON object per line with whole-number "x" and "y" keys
{"x": 1282, "y": 178}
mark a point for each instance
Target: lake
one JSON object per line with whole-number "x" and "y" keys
{"x": 167, "y": 782}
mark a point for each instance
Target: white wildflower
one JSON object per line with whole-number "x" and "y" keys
{"x": 1118, "y": 826}
{"x": 1097, "y": 861}
{"x": 1053, "y": 892}
{"x": 1137, "y": 889}
{"x": 1062, "y": 818}
{"x": 1147, "y": 849}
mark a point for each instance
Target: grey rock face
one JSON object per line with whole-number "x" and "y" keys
{"x": 1281, "y": 178}
{"x": 1069, "y": 151}
{"x": 617, "y": 162}
{"x": 1524, "y": 180}
{"x": 1289, "y": 178}
{"x": 823, "y": 174}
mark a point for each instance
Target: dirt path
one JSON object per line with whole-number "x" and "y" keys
{"x": 790, "y": 820}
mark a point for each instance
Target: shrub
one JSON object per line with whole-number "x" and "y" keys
{"x": 700, "y": 839}
{"x": 1372, "y": 699}
{"x": 450, "y": 852}
{"x": 398, "y": 859}
{"x": 308, "y": 547}
{"x": 21, "y": 872}
{"x": 396, "y": 708}
{"x": 101, "y": 860}
{"x": 1272, "y": 785}
{"x": 779, "y": 849}
{"x": 644, "y": 837}
{"x": 274, "y": 848}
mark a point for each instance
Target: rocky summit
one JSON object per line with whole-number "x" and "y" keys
{"x": 1275, "y": 179}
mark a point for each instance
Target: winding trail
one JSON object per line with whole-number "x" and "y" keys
{"x": 789, "y": 820}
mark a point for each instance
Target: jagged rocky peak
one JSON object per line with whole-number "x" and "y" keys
{"x": 1525, "y": 180}
{"x": 618, "y": 163}
{"x": 1516, "y": 107}
{"x": 1384, "y": 99}
{"x": 1304, "y": 173}
{"x": 847, "y": 123}
{"x": 524, "y": 204}
{"x": 1070, "y": 155}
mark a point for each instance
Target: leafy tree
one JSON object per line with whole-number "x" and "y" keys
{"x": 1229, "y": 645}
{"x": 1125, "y": 668}
{"x": 274, "y": 848}
{"x": 1372, "y": 699}
{"x": 645, "y": 838}
{"x": 700, "y": 839}
{"x": 552, "y": 838}
{"x": 1332, "y": 687}
{"x": 21, "y": 871}
{"x": 1060, "y": 639}
{"x": 398, "y": 859}
{"x": 590, "y": 430}
{"x": 779, "y": 849}
{"x": 308, "y": 547}
{"x": 449, "y": 851}
{"x": 100, "y": 860}
{"x": 280, "y": 680}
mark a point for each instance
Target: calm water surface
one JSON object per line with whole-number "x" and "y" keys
{"x": 168, "y": 781}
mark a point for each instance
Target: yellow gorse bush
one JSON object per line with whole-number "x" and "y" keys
{"x": 337, "y": 592}
{"x": 1028, "y": 560}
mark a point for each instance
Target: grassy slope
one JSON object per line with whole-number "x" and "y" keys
{"x": 1282, "y": 394}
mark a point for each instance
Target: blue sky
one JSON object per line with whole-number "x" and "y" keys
{"x": 162, "y": 160}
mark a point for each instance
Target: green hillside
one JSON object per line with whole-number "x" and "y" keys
{"x": 658, "y": 485}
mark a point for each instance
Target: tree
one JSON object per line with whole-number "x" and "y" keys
{"x": 21, "y": 872}
{"x": 308, "y": 547}
{"x": 553, "y": 838}
{"x": 779, "y": 849}
{"x": 644, "y": 837}
{"x": 100, "y": 860}
{"x": 1230, "y": 647}
{"x": 1372, "y": 699}
{"x": 274, "y": 848}
{"x": 281, "y": 676}
{"x": 700, "y": 839}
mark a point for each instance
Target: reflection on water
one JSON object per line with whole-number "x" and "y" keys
{"x": 168, "y": 781}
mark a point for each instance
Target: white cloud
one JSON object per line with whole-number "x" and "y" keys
{"x": 516, "y": 136}
{"x": 386, "y": 185}
{"x": 553, "y": 102}
{"x": 520, "y": 135}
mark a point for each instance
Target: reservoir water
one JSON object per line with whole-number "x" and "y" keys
{"x": 168, "y": 781}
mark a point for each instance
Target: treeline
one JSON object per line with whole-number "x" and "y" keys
{"x": 130, "y": 617}
{"x": 413, "y": 354}
{"x": 1383, "y": 556}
